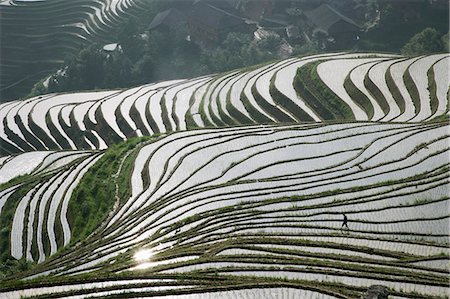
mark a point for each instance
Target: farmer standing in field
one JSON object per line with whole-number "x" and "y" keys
{"x": 345, "y": 221}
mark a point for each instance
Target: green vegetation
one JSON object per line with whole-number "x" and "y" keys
{"x": 398, "y": 21}
{"x": 283, "y": 219}
{"x": 274, "y": 111}
{"x": 317, "y": 95}
{"x": 239, "y": 50}
{"x": 434, "y": 101}
{"x": 95, "y": 195}
{"x": 394, "y": 90}
{"x": 24, "y": 183}
{"x": 376, "y": 93}
{"x": 158, "y": 55}
{"x": 9, "y": 265}
{"x": 412, "y": 89}
{"x": 155, "y": 56}
{"x": 298, "y": 234}
{"x": 51, "y": 28}
{"x": 360, "y": 98}
{"x": 441, "y": 118}
{"x": 427, "y": 41}
{"x": 256, "y": 115}
{"x": 286, "y": 102}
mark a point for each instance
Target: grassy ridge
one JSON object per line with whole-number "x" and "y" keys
{"x": 393, "y": 89}
{"x": 287, "y": 103}
{"x": 240, "y": 220}
{"x": 95, "y": 196}
{"x": 434, "y": 101}
{"x": 9, "y": 265}
{"x": 318, "y": 96}
{"x": 360, "y": 98}
{"x": 412, "y": 89}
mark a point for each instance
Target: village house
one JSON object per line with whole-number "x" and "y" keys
{"x": 255, "y": 10}
{"x": 209, "y": 24}
{"x": 169, "y": 19}
{"x": 338, "y": 29}
{"x": 227, "y": 5}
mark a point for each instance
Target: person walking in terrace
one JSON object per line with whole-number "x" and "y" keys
{"x": 345, "y": 222}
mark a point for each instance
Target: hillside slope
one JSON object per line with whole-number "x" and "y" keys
{"x": 222, "y": 212}
{"x": 233, "y": 185}
{"x": 37, "y": 36}
{"x": 328, "y": 87}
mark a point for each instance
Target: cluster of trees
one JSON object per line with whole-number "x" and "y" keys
{"x": 398, "y": 21}
{"x": 427, "y": 41}
{"x": 154, "y": 56}
{"x": 163, "y": 55}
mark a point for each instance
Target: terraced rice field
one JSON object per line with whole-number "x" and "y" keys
{"x": 264, "y": 203}
{"x": 38, "y": 35}
{"x": 234, "y": 185}
{"x": 44, "y": 205}
{"x": 341, "y": 86}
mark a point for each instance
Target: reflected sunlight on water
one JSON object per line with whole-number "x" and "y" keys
{"x": 143, "y": 255}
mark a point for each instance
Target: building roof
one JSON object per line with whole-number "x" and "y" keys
{"x": 275, "y": 20}
{"x": 167, "y": 17}
{"x": 214, "y": 17}
{"x": 227, "y": 5}
{"x": 111, "y": 47}
{"x": 292, "y": 31}
{"x": 326, "y": 16}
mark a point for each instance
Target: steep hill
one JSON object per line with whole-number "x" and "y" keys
{"x": 250, "y": 206}
{"x": 341, "y": 87}
{"x": 38, "y": 35}
{"x": 233, "y": 185}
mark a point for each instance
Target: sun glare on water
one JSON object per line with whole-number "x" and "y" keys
{"x": 143, "y": 255}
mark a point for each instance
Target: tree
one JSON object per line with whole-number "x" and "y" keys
{"x": 143, "y": 70}
{"x": 38, "y": 88}
{"x": 85, "y": 71}
{"x": 131, "y": 41}
{"x": 90, "y": 67}
{"x": 117, "y": 68}
{"x": 425, "y": 42}
{"x": 270, "y": 43}
{"x": 445, "y": 42}
{"x": 235, "y": 41}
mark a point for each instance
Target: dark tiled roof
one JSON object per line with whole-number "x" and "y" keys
{"x": 168, "y": 17}
{"x": 214, "y": 17}
{"x": 228, "y": 5}
{"x": 326, "y": 16}
{"x": 276, "y": 19}
{"x": 292, "y": 31}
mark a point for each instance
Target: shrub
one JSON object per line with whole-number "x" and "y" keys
{"x": 425, "y": 42}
